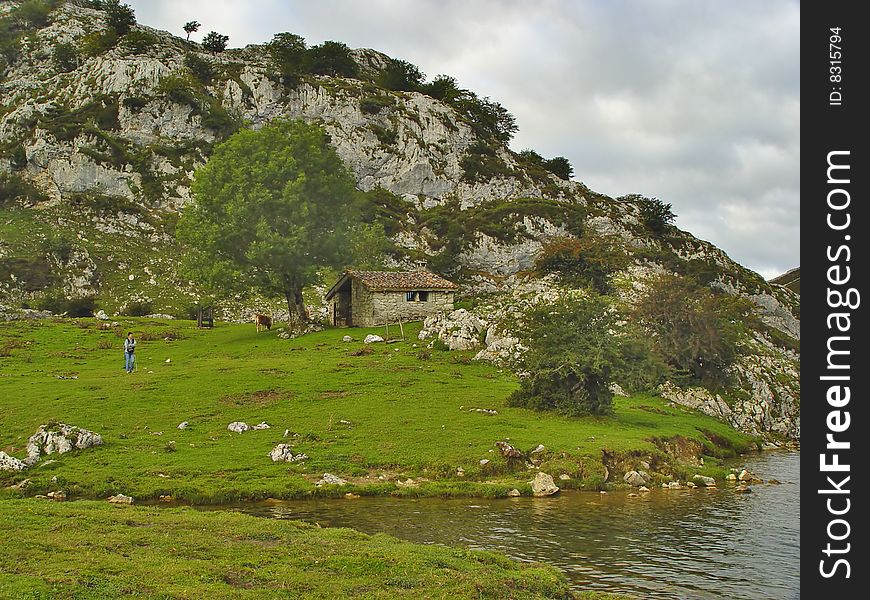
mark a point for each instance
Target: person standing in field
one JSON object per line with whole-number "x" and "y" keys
{"x": 129, "y": 349}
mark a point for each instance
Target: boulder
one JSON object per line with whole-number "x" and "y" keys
{"x": 643, "y": 488}
{"x": 508, "y": 451}
{"x": 484, "y": 462}
{"x": 101, "y": 315}
{"x": 703, "y": 480}
{"x": 636, "y": 478}
{"x": 408, "y": 483}
{"x": 745, "y": 475}
{"x": 373, "y": 339}
{"x": 538, "y": 449}
{"x": 330, "y": 479}
{"x": 121, "y": 499}
{"x": 543, "y": 485}
{"x": 182, "y": 425}
{"x": 347, "y": 338}
{"x": 10, "y": 463}
{"x": 564, "y": 477}
{"x": 675, "y": 485}
{"x": 58, "y": 496}
{"x": 262, "y": 425}
{"x": 514, "y": 493}
{"x": 731, "y": 477}
{"x": 60, "y": 438}
{"x": 238, "y": 426}
{"x": 281, "y": 453}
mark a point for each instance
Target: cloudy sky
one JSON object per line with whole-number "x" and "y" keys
{"x": 694, "y": 102}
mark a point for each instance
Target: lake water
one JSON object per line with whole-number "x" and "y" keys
{"x": 666, "y": 544}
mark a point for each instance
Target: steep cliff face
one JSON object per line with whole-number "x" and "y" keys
{"x": 98, "y": 152}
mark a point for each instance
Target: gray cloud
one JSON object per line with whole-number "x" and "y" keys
{"x": 694, "y": 102}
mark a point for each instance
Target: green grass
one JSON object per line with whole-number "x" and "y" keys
{"x": 96, "y": 550}
{"x": 408, "y": 417}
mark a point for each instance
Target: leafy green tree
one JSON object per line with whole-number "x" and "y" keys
{"x": 560, "y": 167}
{"x": 34, "y": 13}
{"x": 331, "y": 58}
{"x": 269, "y": 208}
{"x": 486, "y": 117}
{"x": 693, "y": 329}
{"x": 201, "y": 68}
{"x": 655, "y": 214}
{"x": 575, "y": 348}
{"x": 400, "y": 75}
{"x": 191, "y": 27}
{"x": 119, "y": 17}
{"x": 442, "y": 88}
{"x": 532, "y": 157}
{"x": 288, "y": 55}
{"x": 215, "y": 42}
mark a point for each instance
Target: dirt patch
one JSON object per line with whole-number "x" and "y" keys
{"x": 333, "y": 394}
{"x": 258, "y": 398}
{"x": 680, "y": 448}
{"x": 363, "y": 351}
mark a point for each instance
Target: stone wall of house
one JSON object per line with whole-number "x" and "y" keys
{"x": 362, "y": 305}
{"x": 393, "y": 306}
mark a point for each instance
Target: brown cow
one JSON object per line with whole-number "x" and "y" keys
{"x": 262, "y": 321}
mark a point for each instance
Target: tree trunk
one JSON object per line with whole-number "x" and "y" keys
{"x": 295, "y": 306}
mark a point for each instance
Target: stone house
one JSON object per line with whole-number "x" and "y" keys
{"x": 368, "y": 298}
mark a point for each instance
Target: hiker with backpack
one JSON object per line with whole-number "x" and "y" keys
{"x": 129, "y": 350}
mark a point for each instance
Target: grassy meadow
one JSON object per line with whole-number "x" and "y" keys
{"x": 370, "y": 414}
{"x": 95, "y": 550}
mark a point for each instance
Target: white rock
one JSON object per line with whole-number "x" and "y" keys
{"x": 484, "y": 462}
{"x": 703, "y": 480}
{"x": 238, "y": 426}
{"x": 262, "y": 425}
{"x": 10, "y": 463}
{"x": 538, "y": 449}
{"x": 543, "y": 485}
{"x": 281, "y": 453}
{"x": 101, "y": 315}
{"x": 347, "y": 338}
{"x": 121, "y": 499}
{"x": 514, "y": 493}
{"x": 373, "y": 339}
{"x": 330, "y": 479}
{"x": 182, "y": 425}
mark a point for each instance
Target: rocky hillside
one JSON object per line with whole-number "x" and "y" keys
{"x": 101, "y": 132}
{"x": 790, "y": 279}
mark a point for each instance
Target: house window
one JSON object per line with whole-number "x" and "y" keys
{"x": 423, "y": 296}
{"x": 409, "y": 296}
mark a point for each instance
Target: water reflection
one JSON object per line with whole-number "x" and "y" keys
{"x": 665, "y": 544}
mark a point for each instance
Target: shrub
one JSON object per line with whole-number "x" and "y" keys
{"x": 138, "y": 308}
{"x": 560, "y": 167}
{"x": 331, "y": 58}
{"x": 135, "y": 103}
{"x": 576, "y": 346}
{"x": 33, "y": 272}
{"x": 584, "y": 262}
{"x": 442, "y": 88}
{"x": 374, "y": 104}
{"x": 481, "y": 162}
{"x": 385, "y": 135}
{"x": 288, "y": 56}
{"x": 99, "y": 42}
{"x": 201, "y": 68}
{"x": 66, "y": 58}
{"x": 655, "y": 214}
{"x": 119, "y": 17}
{"x": 139, "y": 42}
{"x": 13, "y": 187}
{"x": 694, "y": 330}
{"x": 487, "y": 118}
{"x": 81, "y": 307}
{"x": 181, "y": 89}
{"x": 34, "y": 12}
{"x": 215, "y": 42}
{"x": 402, "y": 76}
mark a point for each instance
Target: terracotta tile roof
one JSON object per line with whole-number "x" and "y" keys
{"x": 396, "y": 281}
{"x": 387, "y": 281}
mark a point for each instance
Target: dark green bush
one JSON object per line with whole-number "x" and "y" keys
{"x": 374, "y": 104}
{"x": 119, "y": 17}
{"x": 576, "y": 347}
{"x": 66, "y": 58}
{"x": 400, "y": 75}
{"x": 331, "y": 58}
{"x": 33, "y": 272}
{"x": 135, "y": 103}
{"x": 139, "y": 42}
{"x": 655, "y": 214}
{"x": 442, "y": 88}
{"x": 201, "y": 68}
{"x": 138, "y": 309}
{"x": 215, "y": 42}
{"x": 585, "y": 262}
{"x": 99, "y": 42}
{"x": 81, "y": 307}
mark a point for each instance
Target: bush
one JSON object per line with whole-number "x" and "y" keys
{"x": 99, "y": 42}
{"x": 138, "y": 308}
{"x": 181, "y": 89}
{"x": 442, "y": 88}
{"x": 655, "y": 214}
{"x": 81, "y": 307}
{"x": 400, "y": 75}
{"x": 585, "y": 262}
{"x": 119, "y": 17}
{"x": 34, "y": 13}
{"x": 560, "y": 167}
{"x": 14, "y": 188}
{"x": 66, "y": 58}
{"x": 201, "y": 68}
{"x": 331, "y": 58}
{"x": 374, "y": 104}
{"x": 694, "y": 330}
{"x": 135, "y": 103}
{"x": 34, "y": 273}
{"x": 215, "y": 42}
{"x": 139, "y": 42}
{"x": 288, "y": 56}
{"x": 576, "y": 346}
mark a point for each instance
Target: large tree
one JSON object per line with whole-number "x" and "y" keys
{"x": 269, "y": 208}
